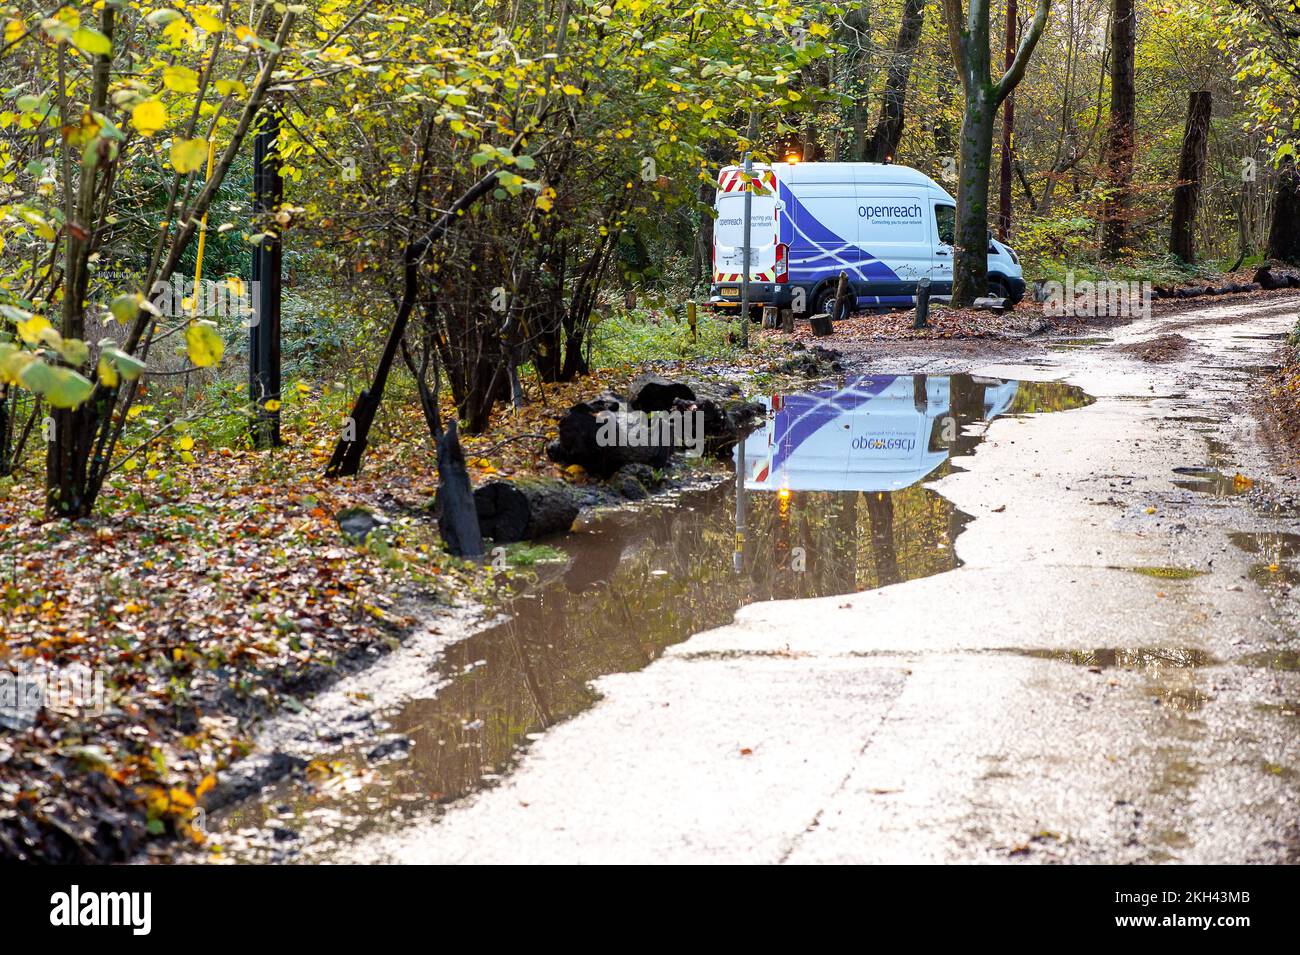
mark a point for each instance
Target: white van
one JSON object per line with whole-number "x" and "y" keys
{"x": 887, "y": 226}
{"x": 876, "y": 433}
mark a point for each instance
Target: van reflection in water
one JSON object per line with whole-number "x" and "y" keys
{"x": 876, "y": 433}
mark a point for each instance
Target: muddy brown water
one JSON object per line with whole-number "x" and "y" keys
{"x": 635, "y": 582}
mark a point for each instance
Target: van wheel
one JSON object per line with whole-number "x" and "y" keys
{"x": 824, "y": 303}
{"x": 998, "y": 289}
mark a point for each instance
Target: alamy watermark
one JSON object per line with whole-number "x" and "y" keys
{"x": 1102, "y": 299}
{"x": 24, "y": 693}
{"x": 660, "y": 429}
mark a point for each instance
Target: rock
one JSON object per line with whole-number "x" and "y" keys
{"x": 248, "y": 777}
{"x": 393, "y": 746}
{"x": 652, "y": 392}
{"x": 357, "y": 522}
{"x": 600, "y": 441}
{"x": 815, "y": 362}
{"x": 510, "y": 511}
{"x": 634, "y": 481}
{"x": 726, "y": 422}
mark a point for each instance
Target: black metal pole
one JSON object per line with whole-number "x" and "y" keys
{"x": 264, "y": 336}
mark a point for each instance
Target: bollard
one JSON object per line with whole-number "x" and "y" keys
{"x": 841, "y": 309}
{"x": 690, "y": 319}
{"x": 922, "y": 304}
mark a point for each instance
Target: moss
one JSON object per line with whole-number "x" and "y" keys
{"x": 1167, "y": 573}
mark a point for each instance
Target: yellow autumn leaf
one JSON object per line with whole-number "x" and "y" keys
{"x": 180, "y": 79}
{"x": 272, "y": 405}
{"x": 149, "y": 116}
{"x": 208, "y": 22}
{"x": 203, "y": 344}
{"x": 107, "y": 373}
{"x": 31, "y": 329}
{"x": 188, "y": 154}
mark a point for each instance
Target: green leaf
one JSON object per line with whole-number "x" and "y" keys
{"x": 62, "y": 387}
{"x": 114, "y": 362}
{"x": 74, "y": 351}
{"x": 160, "y": 18}
{"x": 125, "y": 308}
{"x": 90, "y": 40}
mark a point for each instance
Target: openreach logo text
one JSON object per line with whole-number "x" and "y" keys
{"x": 75, "y": 908}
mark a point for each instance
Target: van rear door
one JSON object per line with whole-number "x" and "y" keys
{"x": 729, "y": 227}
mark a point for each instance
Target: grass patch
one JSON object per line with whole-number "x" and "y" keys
{"x": 638, "y": 335}
{"x": 524, "y": 554}
{"x": 1167, "y": 573}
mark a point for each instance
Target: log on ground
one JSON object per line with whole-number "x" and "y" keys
{"x": 510, "y": 511}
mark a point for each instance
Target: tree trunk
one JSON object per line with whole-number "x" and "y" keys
{"x": 1284, "y": 234}
{"x": 854, "y": 80}
{"x": 968, "y": 39}
{"x": 1191, "y": 167}
{"x": 889, "y": 128}
{"x": 457, "y": 516}
{"x": 1008, "y": 133}
{"x": 970, "y": 278}
{"x": 1121, "y": 133}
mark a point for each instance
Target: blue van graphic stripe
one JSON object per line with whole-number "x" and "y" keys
{"x": 802, "y": 416}
{"x": 822, "y": 253}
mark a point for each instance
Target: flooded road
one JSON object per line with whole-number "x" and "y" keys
{"x": 835, "y": 504}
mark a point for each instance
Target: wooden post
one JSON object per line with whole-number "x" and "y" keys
{"x": 771, "y": 316}
{"x": 691, "y": 319}
{"x": 821, "y": 324}
{"x": 787, "y": 321}
{"x": 922, "y": 319}
{"x": 1191, "y": 168}
{"x": 841, "y": 309}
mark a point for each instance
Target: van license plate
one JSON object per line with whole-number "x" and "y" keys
{"x": 730, "y": 293}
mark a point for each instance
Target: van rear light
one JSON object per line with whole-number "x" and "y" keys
{"x": 782, "y": 263}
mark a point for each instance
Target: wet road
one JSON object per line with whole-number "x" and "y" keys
{"x": 1076, "y": 645}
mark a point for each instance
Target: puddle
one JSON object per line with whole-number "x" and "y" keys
{"x": 834, "y": 504}
{"x": 1274, "y": 660}
{"x": 1279, "y": 545}
{"x": 1070, "y": 344}
{"x": 1125, "y": 658}
{"x": 1278, "y": 552}
{"x": 1167, "y": 673}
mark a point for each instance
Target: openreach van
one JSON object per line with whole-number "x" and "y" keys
{"x": 875, "y": 433}
{"x": 887, "y": 226}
